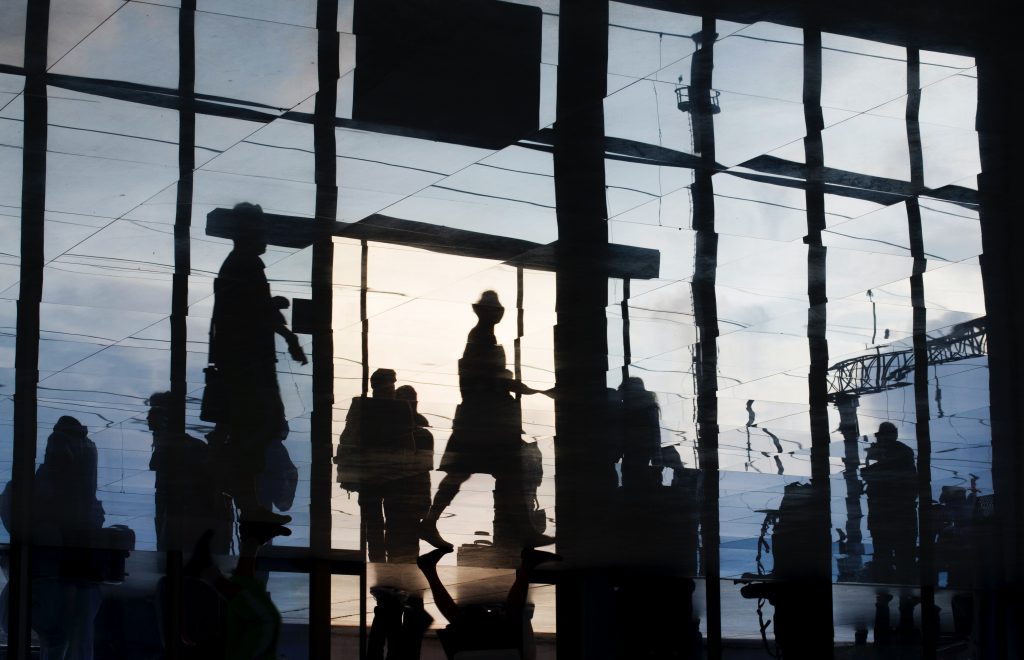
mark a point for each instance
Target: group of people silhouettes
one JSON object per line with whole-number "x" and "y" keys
{"x": 242, "y": 471}
{"x": 890, "y": 474}
{"x": 385, "y": 452}
{"x": 385, "y": 455}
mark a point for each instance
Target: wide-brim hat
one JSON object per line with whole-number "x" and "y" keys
{"x": 887, "y": 428}
{"x": 488, "y": 300}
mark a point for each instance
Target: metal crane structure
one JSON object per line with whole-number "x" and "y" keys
{"x": 878, "y": 372}
{"x": 881, "y": 371}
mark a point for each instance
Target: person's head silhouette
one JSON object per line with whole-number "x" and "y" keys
{"x": 407, "y": 393}
{"x": 70, "y": 426}
{"x": 250, "y": 228}
{"x": 382, "y": 382}
{"x": 634, "y": 393}
{"x": 159, "y": 408}
{"x": 488, "y": 309}
{"x": 632, "y": 386}
{"x": 887, "y": 432}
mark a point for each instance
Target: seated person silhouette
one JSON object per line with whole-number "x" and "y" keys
{"x": 375, "y": 459}
{"x": 247, "y": 406}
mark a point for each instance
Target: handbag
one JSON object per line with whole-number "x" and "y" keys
{"x": 214, "y": 407}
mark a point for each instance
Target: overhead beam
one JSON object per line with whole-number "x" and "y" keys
{"x": 297, "y": 232}
{"x": 765, "y": 169}
{"x": 947, "y": 26}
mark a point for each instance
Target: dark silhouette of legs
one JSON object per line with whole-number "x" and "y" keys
{"x": 444, "y": 601}
{"x": 387, "y": 623}
{"x": 371, "y": 508}
{"x": 445, "y": 494}
{"x": 401, "y": 540}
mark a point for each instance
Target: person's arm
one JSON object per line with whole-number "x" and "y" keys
{"x": 519, "y": 387}
{"x": 281, "y": 327}
{"x": 294, "y": 349}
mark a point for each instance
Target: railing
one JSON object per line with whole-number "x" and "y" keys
{"x": 685, "y": 103}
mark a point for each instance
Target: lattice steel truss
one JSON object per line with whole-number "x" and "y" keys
{"x": 883, "y": 371}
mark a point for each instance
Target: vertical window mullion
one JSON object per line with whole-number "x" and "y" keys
{"x": 920, "y": 339}
{"x": 819, "y": 574}
{"x": 325, "y": 163}
{"x": 26, "y": 361}
{"x": 705, "y": 308}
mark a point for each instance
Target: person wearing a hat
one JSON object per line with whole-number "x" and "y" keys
{"x": 891, "y": 479}
{"x": 486, "y": 432}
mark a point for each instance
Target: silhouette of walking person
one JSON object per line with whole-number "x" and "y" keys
{"x": 375, "y": 459}
{"x": 487, "y": 430}
{"x": 247, "y": 406}
{"x": 892, "y": 498}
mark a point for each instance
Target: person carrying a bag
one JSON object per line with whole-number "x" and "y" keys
{"x": 242, "y": 396}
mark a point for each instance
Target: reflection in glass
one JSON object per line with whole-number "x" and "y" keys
{"x": 780, "y": 266}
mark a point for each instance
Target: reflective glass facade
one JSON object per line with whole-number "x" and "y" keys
{"x": 324, "y": 322}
